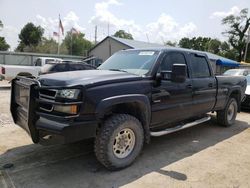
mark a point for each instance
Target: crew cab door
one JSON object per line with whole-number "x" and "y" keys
{"x": 171, "y": 101}
{"x": 203, "y": 84}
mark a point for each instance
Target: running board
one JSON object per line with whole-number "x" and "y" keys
{"x": 180, "y": 127}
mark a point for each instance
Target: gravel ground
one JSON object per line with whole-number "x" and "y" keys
{"x": 202, "y": 156}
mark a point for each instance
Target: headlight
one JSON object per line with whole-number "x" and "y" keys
{"x": 68, "y": 93}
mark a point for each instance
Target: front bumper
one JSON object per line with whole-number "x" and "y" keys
{"x": 55, "y": 132}
{"x": 42, "y": 125}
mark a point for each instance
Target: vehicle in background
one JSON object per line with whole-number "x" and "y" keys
{"x": 246, "y": 102}
{"x": 237, "y": 72}
{"x": 8, "y": 72}
{"x": 65, "y": 66}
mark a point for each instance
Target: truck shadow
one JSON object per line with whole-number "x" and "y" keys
{"x": 75, "y": 165}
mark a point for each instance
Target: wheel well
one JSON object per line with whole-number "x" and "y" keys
{"x": 134, "y": 109}
{"x": 237, "y": 95}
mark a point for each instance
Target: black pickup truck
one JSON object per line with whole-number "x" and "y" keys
{"x": 132, "y": 96}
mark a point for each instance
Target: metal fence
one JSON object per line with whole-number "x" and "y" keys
{"x": 23, "y": 58}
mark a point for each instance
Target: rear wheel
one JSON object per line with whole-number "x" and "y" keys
{"x": 227, "y": 116}
{"x": 119, "y": 141}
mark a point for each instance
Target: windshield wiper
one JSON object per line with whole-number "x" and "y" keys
{"x": 120, "y": 70}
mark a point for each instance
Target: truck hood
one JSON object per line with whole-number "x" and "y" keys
{"x": 86, "y": 78}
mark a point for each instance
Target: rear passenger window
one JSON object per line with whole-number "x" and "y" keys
{"x": 199, "y": 66}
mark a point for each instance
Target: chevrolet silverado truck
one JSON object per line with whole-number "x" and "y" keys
{"x": 134, "y": 95}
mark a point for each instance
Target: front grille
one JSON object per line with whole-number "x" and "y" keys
{"x": 47, "y": 94}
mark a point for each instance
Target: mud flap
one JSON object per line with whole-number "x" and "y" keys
{"x": 23, "y": 105}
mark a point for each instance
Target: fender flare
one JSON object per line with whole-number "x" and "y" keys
{"x": 142, "y": 100}
{"x": 236, "y": 89}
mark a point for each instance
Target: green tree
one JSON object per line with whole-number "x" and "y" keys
{"x": 185, "y": 43}
{"x": 199, "y": 43}
{"x": 123, "y": 34}
{"x": 207, "y": 44}
{"x": 237, "y": 28}
{"x": 76, "y": 44}
{"x": 213, "y": 46}
{"x": 48, "y": 46}
{"x": 4, "y": 46}
{"x": 170, "y": 43}
{"x": 30, "y": 36}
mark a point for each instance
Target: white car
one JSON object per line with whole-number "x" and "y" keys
{"x": 237, "y": 72}
{"x": 8, "y": 72}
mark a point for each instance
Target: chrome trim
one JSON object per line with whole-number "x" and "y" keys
{"x": 180, "y": 127}
{"x": 43, "y": 96}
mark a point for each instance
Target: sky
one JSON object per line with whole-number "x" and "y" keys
{"x": 154, "y": 21}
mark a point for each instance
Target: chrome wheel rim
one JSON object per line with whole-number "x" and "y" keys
{"x": 124, "y": 143}
{"x": 230, "y": 112}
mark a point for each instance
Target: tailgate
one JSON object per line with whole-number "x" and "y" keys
{"x": 23, "y": 105}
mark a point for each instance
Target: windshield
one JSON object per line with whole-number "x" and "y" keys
{"x": 135, "y": 61}
{"x": 234, "y": 72}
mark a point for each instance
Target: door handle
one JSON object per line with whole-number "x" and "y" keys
{"x": 189, "y": 86}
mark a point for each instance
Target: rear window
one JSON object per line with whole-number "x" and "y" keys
{"x": 199, "y": 66}
{"x": 60, "y": 67}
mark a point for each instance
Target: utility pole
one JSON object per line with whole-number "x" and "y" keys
{"x": 247, "y": 42}
{"x": 58, "y": 47}
{"x": 95, "y": 34}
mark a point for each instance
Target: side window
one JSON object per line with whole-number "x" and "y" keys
{"x": 199, "y": 66}
{"x": 48, "y": 61}
{"x": 75, "y": 67}
{"x": 38, "y": 62}
{"x": 170, "y": 59}
{"x": 60, "y": 67}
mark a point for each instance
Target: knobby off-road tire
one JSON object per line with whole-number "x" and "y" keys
{"x": 227, "y": 116}
{"x": 119, "y": 141}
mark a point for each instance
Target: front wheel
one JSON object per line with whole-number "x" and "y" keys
{"x": 119, "y": 141}
{"x": 227, "y": 116}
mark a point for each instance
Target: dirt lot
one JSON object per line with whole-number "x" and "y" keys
{"x": 203, "y": 156}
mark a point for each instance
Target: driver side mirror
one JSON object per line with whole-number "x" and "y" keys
{"x": 178, "y": 73}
